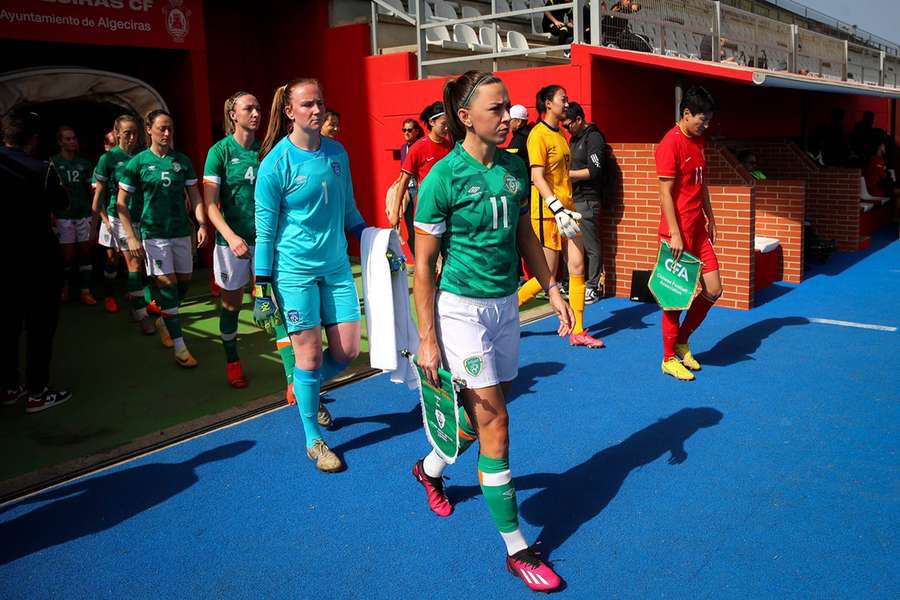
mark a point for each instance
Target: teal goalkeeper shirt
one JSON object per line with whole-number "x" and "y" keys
{"x": 304, "y": 202}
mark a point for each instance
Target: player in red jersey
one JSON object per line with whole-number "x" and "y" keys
{"x": 687, "y": 223}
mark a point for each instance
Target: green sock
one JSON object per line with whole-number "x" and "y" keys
{"x": 228, "y": 324}
{"x": 183, "y": 287}
{"x": 133, "y": 285}
{"x": 168, "y": 302}
{"x": 499, "y": 492}
{"x": 148, "y": 296}
{"x": 286, "y": 351}
{"x": 466, "y": 432}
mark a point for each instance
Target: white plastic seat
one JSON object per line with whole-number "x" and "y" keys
{"x": 394, "y": 4}
{"x": 502, "y": 6}
{"x": 765, "y": 245}
{"x": 439, "y": 36}
{"x": 469, "y": 12}
{"x": 464, "y": 34}
{"x": 484, "y": 35}
{"x": 442, "y": 10}
{"x": 516, "y": 41}
{"x": 537, "y": 27}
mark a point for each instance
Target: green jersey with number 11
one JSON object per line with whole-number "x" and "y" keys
{"x": 233, "y": 168}
{"x": 475, "y": 210}
{"x": 162, "y": 180}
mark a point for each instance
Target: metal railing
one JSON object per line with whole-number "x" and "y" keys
{"x": 683, "y": 28}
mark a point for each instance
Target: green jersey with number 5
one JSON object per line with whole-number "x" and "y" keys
{"x": 233, "y": 168}
{"x": 475, "y": 210}
{"x": 75, "y": 175}
{"x": 162, "y": 180}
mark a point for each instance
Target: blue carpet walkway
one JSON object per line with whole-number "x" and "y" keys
{"x": 775, "y": 475}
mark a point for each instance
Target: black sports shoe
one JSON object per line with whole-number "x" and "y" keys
{"x": 14, "y": 395}
{"x": 46, "y": 398}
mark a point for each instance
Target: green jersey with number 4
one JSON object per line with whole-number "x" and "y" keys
{"x": 475, "y": 209}
{"x": 75, "y": 175}
{"x": 233, "y": 168}
{"x": 109, "y": 170}
{"x": 162, "y": 180}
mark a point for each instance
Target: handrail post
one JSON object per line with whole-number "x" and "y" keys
{"x": 576, "y": 22}
{"x": 881, "y": 68}
{"x": 792, "y": 58}
{"x": 421, "y": 44}
{"x": 846, "y": 61}
{"x": 374, "y": 29}
{"x": 494, "y": 33}
{"x": 716, "y": 48}
{"x": 595, "y": 24}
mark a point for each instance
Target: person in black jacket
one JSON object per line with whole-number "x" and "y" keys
{"x": 518, "y": 141}
{"x": 32, "y": 190}
{"x": 589, "y": 150}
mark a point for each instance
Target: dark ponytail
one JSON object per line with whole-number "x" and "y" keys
{"x": 545, "y": 95}
{"x": 458, "y": 93}
{"x": 279, "y": 125}
{"x": 435, "y": 109}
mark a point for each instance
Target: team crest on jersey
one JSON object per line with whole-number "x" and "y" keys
{"x": 336, "y": 168}
{"x": 300, "y": 180}
{"x": 151, "y": 167}
{"x": 293, "y": 317}
{"x": 176, "y": 167}
{"x": 473, "y": 365}
{"x": 511, "y": 183}
{"x": 439, "y": 417}
{"x": 120, "y": 163}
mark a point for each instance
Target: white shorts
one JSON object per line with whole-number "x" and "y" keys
{"x": 73, "y": 231}
{"x": 479, "y": 338}
{"x": 164, "y": 256}
{"x": 116, "y": 239}
{"x": 231, "y": 273}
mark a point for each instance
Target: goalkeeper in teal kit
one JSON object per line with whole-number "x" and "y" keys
{"x": 304, "y": 204}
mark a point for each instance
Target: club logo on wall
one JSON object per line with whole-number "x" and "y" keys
{"x": 177, "y": 20}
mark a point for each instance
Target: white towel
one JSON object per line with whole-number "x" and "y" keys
{"x": 386, "y": 299}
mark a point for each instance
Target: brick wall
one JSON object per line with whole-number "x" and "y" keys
{"x": 779, "y": 215}
{"x": 832, "y": 194}
{"x": 630, "y": 219}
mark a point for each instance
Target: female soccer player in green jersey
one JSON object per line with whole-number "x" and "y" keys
{"x": 469, "y": 212}
{"x": 109, "y": 170}
{"x": 229, "y": 180}
{"x": 162, "y": 175}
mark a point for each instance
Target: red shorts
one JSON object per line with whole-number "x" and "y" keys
{"x": 696, "y": 241}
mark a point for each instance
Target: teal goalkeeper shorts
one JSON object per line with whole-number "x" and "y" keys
{"x": 307, "y": 301}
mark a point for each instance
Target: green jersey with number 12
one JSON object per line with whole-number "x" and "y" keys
{"x": 475, "y": 209}
{"x": 162, "y": 180}
{"x": 233, "y": 168}
{"x": 75, "y": 175}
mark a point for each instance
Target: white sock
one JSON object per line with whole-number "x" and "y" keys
{"x": 433, "y": 465}
{"x": 514, "y": 541}
{"x": 179, "y": 344}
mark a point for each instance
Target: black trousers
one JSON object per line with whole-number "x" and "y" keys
{"x": 408, "y": 218}
{"x": 593, "y": 257}
{"x": 37, "y": 314}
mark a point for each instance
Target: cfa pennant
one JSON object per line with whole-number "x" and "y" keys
{"x": 677, "y": 268}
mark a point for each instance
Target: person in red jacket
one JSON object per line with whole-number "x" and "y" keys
{"x": 687, "y": 223}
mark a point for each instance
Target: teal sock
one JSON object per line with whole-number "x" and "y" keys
{"x": 330, "y": 367}
{"x": 110, "y": 269}
{"x": 133, "y": 285}
{"x": 306, "y": 388}
{"x": 183, "y": 287}
{"x": 168, "y": 303}
{"x": 466, "y": 432}
{"x": 228, "y": 324}
{"x": 499, "y": 492}
{"x": 286, "y": 351}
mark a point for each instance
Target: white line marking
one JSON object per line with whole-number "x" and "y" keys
{"x": 852, "y": 324}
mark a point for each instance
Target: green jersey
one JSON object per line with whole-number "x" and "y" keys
{"x": 162, "y": 180}
{"x": 76, "y": 178}
{"x": 475, "y": 209}
{"x": 109, "y": 171}
{"x": 233, "y": 168}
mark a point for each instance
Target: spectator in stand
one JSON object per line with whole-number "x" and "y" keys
{"x": 519, "y": 128}
{"x": 748, "y": 159}
{"x": 558, "y": 23}
{"x": 617, "y": 31}
{"x": 878, "y": 179}
{"x": 589, "y": 150}
{"x": 412, "y": 131}
{"x": 331, "y": 127}
{"x": 40, "y": 277}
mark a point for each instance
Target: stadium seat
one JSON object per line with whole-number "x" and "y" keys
{"x": 502, "y": 6}
{"x": 516, "y": 41}
{"x": 393, "y": 3}
{"x": 439, "y": 36}
{"x": 865, "y": 196}
{"x": 537, "y": 18}
{"x": 520, "y": 5}
{"x": 464, "y": 34}
{"x": 442, "y": 10}
{"x": 469, "y": 12}
{"x": 484, "y": 35}
{"x": 768, "y": 255}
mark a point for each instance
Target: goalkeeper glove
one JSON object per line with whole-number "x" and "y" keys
{"x": 566, "y": 220}
{"x": 265, "y": 314}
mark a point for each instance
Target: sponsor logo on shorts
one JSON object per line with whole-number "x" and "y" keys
{"x": 473, "y": 365}
{"x": 158, "y": 263}
{"x": 511, "y": 183}
{"x": 509, "y": 494}
{"x": 336, "y": 168}
{"x": 439, "y": 417}
{"x": 123, "y": 241}
{"x": 224, "y": 277}
{"x": 293, "y": 317}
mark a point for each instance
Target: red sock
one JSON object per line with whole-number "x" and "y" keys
{"x": 670, "y": 332}
{"x": 695, "y": 315}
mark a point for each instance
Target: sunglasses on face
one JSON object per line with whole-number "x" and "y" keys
{"x": 407, "y": 130}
